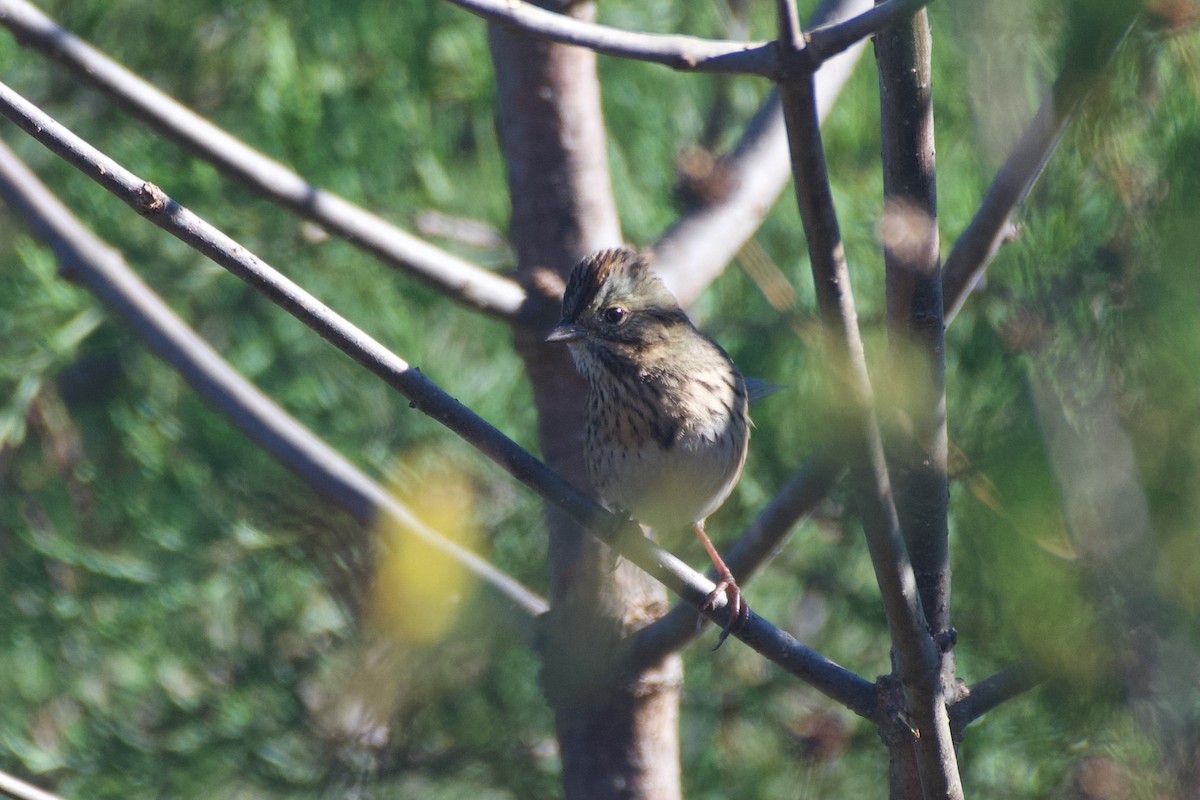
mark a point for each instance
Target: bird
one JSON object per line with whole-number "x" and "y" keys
{"x": 666, "y": 422}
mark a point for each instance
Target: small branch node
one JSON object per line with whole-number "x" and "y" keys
{"x": 151, "y": 199}
{"x": 945, "y": 640}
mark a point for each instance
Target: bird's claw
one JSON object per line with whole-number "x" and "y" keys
{"x": 739, "y": 611}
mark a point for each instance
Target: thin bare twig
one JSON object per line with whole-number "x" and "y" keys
{"x": 458, "y": 279}
{"x": 832, "y": 279}
{"x": 696, "y": 248}
{"x": 916, "y": 654}
{"x": 832, "y": 39}
{"x": 424, "y": 395}
{"x": 15, "y": 787}
{"x": 84, "y": 257}
{"x": 914, "y": 311}
{"x": 675, "y": 51}
{"x": 791, "y": 33}
{"x": 990, "y": 692}
{"x": 990, "y": 228}
{"x": 688, "y": 53}
{"x": 979, "y": 242}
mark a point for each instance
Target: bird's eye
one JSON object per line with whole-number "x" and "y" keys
{"x": 615, "y": 315}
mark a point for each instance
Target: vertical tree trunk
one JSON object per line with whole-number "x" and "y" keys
{"x": 618, "y": 734}
{"x": 914, "y": 311}
{"x": 917, "y": 445}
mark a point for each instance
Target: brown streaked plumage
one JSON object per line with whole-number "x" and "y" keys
{"x": 667, "y": 425}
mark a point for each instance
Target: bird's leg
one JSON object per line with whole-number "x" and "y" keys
{"x": 739, "y": 612}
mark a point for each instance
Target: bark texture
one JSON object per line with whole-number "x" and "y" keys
{"x": 618, "y": 733}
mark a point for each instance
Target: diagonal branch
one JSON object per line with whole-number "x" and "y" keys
{"x": 15, "y": 787}
{"x": 915, "y": 652}
{"x": 826, "y": 42}
{"x": 989, "y": 693}
{"x": 990, "y": 228}
{"x": 832, "y": 279}
{"x": 424, "y": 395}
{"x": 696, "y": 248}
{"x": 914, "y": 313}
{"x": 828, "y": 677}
{"x": 688, "y": 53}
{"x": 150, "y": 201}
{"x": 675, "y": 51}
{"x": 84, "y": 257}
{"x": 457, "y": 279}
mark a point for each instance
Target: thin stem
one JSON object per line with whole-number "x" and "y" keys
{"x": 459, "y": 280}
{"x": 987, "y": 694}
{"x": 826, "y": 42}
{"x": 915, "y": 652}
{"x": 791, "y": 34}
{"x": 914, "y": 312}
{"x": 696, "y": 248}
{"x": 688, "y": 53}
{"x": 85, "y": 258}
{"x": 832, "y": 279}
{"x": 991, "y": 227}
{"x": 675, "y": 51}
{"x": 19, "y": 789}
{"x": 915, "y": 649}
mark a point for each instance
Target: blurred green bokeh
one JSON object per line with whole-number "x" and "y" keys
{"x": 172, "y": 623}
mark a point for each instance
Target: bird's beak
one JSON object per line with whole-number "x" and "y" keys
{"x": 567, "y": 332}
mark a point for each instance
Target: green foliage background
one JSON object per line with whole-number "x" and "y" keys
{"x": 172, "y": 623}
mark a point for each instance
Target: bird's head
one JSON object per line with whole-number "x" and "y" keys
{"x": 613, "y": 301}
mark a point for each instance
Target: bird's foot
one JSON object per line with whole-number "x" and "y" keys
{"x": 739, "y": 611}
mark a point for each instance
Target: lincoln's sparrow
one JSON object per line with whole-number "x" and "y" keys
{"x": 667, "y": 424}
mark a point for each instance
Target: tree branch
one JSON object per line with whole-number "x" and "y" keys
{"x": 914, "y": 314}
{"x": 697, "y": 247}
{"x": 792, "y": 41}
{"x": 84, "y": 257}
{"x": 828, "y": 677}
{"x": 459, "y": 280}
{"x": 831, "y": 276}
{"x": 977, "y": 245}
{"x": 910, "y": 230}
{"x": 990, "y": 227}
{"x": 914, "y": 307}
{"x": 15, "y": 787}
{"x": 150, "y": 201}
{"x": 688, "y": 53}
{"x": 826, "y": 42}
{"x": 675, "y": 51}
{"x": 989, "y": 693}
{"x": 425, "y": 396}
{"x": 915, "y": 652}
